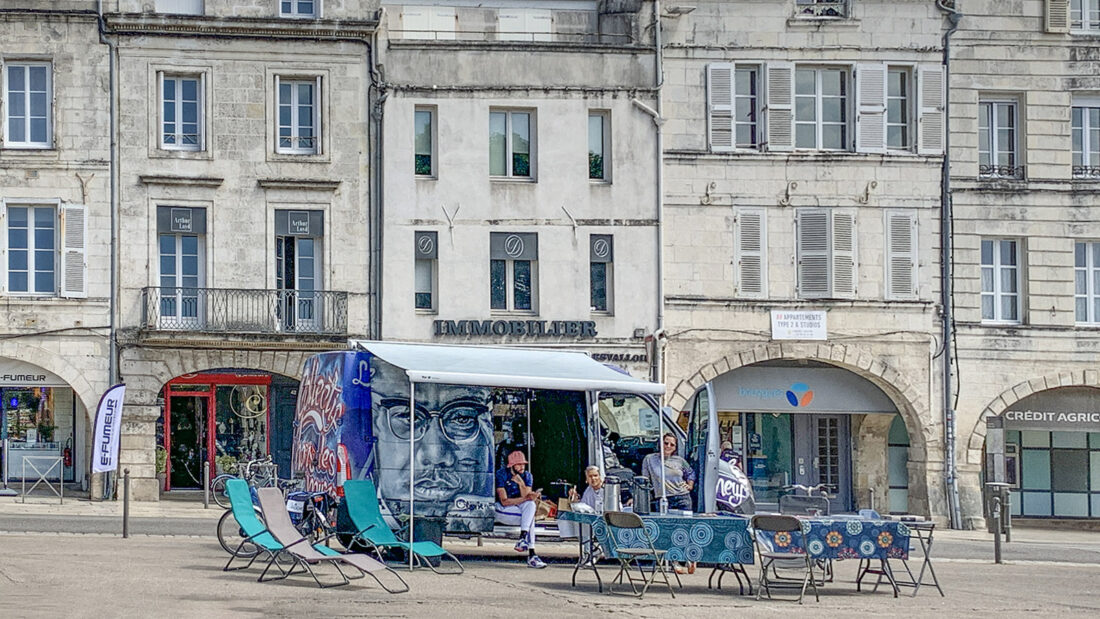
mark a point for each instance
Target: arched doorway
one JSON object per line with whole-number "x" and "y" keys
{"x": 802, "y": 422}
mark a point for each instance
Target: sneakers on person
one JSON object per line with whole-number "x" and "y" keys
{"x": 535, "y": 562}
{"x": 521, "y": 545}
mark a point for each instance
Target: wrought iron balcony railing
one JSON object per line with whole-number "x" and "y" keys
{"x": 1001, "y": 172}
{"x": 1086, "y": 173}
{"x": 234, "y": 310}
{"x": 821, "y": 8}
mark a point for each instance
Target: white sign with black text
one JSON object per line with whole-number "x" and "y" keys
{"x": 799, "y": 325}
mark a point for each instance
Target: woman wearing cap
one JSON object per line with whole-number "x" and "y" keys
{"x": 517, "y": 502}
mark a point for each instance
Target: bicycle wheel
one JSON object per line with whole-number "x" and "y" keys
{"x": 231, "y": 537}
{"x": 217, "y": 489}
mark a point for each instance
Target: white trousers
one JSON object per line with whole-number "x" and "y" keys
{"x": 522, "y": 515}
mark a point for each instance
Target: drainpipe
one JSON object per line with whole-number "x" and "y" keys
{"x": 376, "y": 142}
{"x": 112, "y": 339}
{"x": 951, "y": 477}
{"x": 658, "y": 120}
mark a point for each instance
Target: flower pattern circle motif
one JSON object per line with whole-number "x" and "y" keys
{"x": 702, "y": 533}
{"x": 806, "y": 526}
{"x": 885, "y": 539}
{"x": 855, "y": 527}
{"x": 676, "y": 554}
{"x": 903, "y": 529}
{"x": 734, "y": 540}
{"x": 867, "y": 548}
{"x": 680, "y": 537}
{"x": 782, "y": 539}
{"x": 834, "y": 539}
{"x": 815, "y": 547}
{"x": 727, "y": 556}
{"x": 693, "y": 552}
{"x": 625, "y": 537}
{"x": 653, "y": 530}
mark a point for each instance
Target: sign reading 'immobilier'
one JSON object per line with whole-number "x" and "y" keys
{"x": 582, "y": 329}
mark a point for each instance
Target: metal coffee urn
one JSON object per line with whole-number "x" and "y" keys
{"x": 611, "y": 501}
{"x": 642, "y": 491}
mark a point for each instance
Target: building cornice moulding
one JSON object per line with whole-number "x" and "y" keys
{"x": 239, "y": 27}
{"x": 189, "y": 181}
{"x": 295, "y": 183}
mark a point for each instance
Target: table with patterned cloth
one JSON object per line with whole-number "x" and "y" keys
{"x": 850, "y": 538}
{"x": 700, "y": 539}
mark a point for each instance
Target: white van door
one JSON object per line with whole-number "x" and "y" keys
{"x": 701, "y": 450}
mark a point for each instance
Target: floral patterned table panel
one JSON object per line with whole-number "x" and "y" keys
{"x": 703, "y": 539}
{"x": 848, "y": 538}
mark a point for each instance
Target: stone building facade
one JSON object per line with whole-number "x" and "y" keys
{"x": 1024, "y": 184}
{"x": 803, "y": 150}
{"x": 55, "y": 231}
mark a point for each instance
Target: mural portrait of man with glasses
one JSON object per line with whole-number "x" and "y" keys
{"x": 452, "y": 436}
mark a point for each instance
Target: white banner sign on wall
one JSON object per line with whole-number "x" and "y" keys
{"x": 799, "y": 325}
{"x": 108, "y": 425}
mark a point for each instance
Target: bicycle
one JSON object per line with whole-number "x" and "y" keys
{"x": 259, "y": 473}
{"x": 313, "y": 513}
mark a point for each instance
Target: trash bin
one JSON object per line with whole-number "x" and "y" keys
{"x": 642, "y": 493}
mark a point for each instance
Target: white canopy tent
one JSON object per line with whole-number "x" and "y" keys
{"x": 490, "y": 366}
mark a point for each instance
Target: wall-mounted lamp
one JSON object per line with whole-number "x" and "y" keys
{"x": 678, "y": 11}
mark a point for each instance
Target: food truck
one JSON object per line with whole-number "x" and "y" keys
{"x": 430, "y": 424}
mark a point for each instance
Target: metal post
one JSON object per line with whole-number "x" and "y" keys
{"x": 205, "y": 486}
{"x": 6, "y": 491}
{"x": 126, "y": 503}
{"x": 872, "y": 498}
{"x": 996, "y": 513}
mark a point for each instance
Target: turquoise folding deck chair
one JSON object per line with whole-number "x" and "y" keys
{"x": 371, "y": 529}
{"x": 257, "y": 540}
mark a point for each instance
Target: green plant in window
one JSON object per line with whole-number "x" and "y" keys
{"x": 595, "y": 165}
{"x": 45, "y": 432}
{"x": 161, "y": 462}
{"x": 521, "y": 164}
{"x": 226, "y": 464}
{"x": 424, "y": 165}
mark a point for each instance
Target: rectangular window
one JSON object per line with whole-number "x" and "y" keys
{"x": 826, "y": 254}
{"x": 181, "y": 277}
{"x": 298, "y": 269}
{"x": 513, "y": 271}
{"x": 821, "y": 108}
{"x": 299, "y": 116}
{"x": 1086, "y": 277}
{"x": 181, "y": 110}
{"x": 601, "y": 262}
{"x": 821, "y": 9}
{"x": 425, "y": 270}
{"x": 1001, "y": 280}
{"x": 599, "y": 146}
{"x": 299, "y": 8}
{"x": 746, "y": 104}
{"x": 1084, "y": 15}
{"x": 27, "y": 105}
{"x": 997, "y": 140}
{"x": 511, "y": 139}
{"x": 424, "y": 141}
{"x": 1086, "y": 140}
{"x": 898, "y": 111}
{"x": 32, "y": 243}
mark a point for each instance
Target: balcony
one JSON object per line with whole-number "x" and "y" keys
{"x": 1086, "y": 173}
{"x": 821, "y": 9}
{"x": 234, "y": 310}
{"x": 1001, "y": 173}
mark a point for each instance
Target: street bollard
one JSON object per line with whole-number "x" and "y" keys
{"x": 205, "y": 487}
{"x": 872, "y": 499}
{"x": 996, "y": 513}
{"x": 126, "y": 503}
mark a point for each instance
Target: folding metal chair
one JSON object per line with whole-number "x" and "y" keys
{"x": 792, "y": 556}
{"x": 631, "y": 557}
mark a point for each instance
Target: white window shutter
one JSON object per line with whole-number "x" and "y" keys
{"x": 813, "y": 253}
{"x": 720, "y": 106}
{"x": 901, "y": 255}
{"x": 930, "y": 106}
{"x": 539, "y": 22}
{"x": 779, "y": 107}
{"x": 511, "y": 25}
{"x": 74, "y": 262}
{"x": 416, "y": 22}
{"x": 318, "y": 117}
{"x": 844, "y": 273}
{"x": 750, "y": 253}
{"x": 1057, "y": 15}
{"x": 871, "y": 114}
{"x": 443, "y": 22}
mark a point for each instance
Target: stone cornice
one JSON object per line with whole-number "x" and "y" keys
{"x": 295, "y": 183}
{"x": 190, "y": 181}
{"x": 239, "y": 27}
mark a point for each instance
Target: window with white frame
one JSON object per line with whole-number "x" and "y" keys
{"x": 901, "y": 255}
{"x": 299, "y": 8}
{"x": 826, "y": 253}
{"x": 424, "y": 141}
{"x": 28, "y": 116}
{"x": 601, "y": 272}
{"x": 821, "y": 108}
{"x": 425, "y": 270}
{"x": 821, "y": 9}
{"x": 181, "y": 112}
{"x": 299, "y": 116}
{"x": 511, "y": 143}
{"x": 1086, "y": 139}
{"x": 1084, "y": 15}
{"x": 599, "y": 145}
{"x": 179, "y": 7}
{"x": 998, "y": 138}
{"x": 750, "y": 252}
{"x": 44, "y": 249}
{"x": 1086, "y": 277}
{"x": 513, "y": 271}
{"x": 1001, "y": 280}
{"x": 181, "y": 272}
{"x": 865, "y": 108}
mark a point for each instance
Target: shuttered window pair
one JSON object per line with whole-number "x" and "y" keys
{"x": 780, "y": 106}
{"x": 44, "y": 249}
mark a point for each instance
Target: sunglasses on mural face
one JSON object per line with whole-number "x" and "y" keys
{"x": 457, "y": 419}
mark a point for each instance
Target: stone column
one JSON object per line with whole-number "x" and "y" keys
{"x": 137, "y": 446}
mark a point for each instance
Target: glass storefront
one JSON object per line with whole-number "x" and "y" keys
{"x": 1055, "y": 473}
{"x": 39, "y": 423}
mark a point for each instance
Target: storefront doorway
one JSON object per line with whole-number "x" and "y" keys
{"x": 43, "y": 421}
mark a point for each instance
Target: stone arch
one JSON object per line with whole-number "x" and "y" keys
{"x": 87, "y": 389}
{"x": 1008, "y": 397}
{"x": 851, "y": 357}
{"x": 147, "y": 370}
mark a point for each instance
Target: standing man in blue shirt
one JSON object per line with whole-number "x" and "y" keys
{"x": 517, "y": 503}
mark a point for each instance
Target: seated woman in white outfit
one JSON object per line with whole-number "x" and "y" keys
{"x": 517, "y": 503}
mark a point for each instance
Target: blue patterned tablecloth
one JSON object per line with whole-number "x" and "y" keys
{"x": 849, "y": 538}
{"x": 703, "y": 539}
